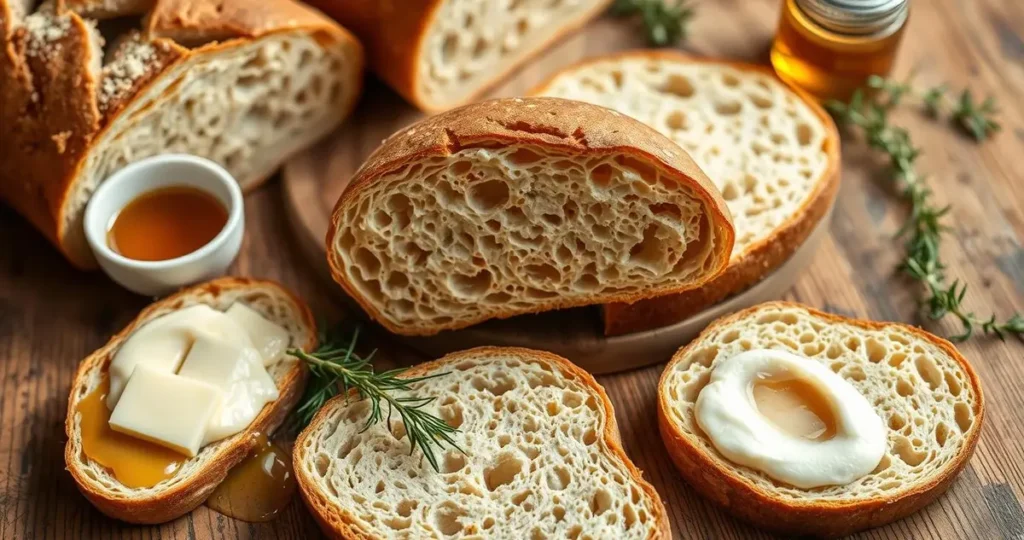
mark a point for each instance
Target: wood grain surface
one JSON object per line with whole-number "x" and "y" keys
{"x": 51, "y": 316}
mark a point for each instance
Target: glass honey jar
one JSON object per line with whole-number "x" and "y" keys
{"x": 830, "y": 47}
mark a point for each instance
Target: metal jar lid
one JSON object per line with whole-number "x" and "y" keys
{"x": 856, "y": 17}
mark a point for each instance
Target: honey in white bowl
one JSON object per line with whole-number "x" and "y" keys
{"x": 166, "y": 223}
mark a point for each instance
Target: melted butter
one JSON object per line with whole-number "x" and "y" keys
{"x": 795, "y": 406}
{"x": 134, "y": 462}
{"x": 259, "y": 487}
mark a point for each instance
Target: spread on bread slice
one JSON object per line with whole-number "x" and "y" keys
{"x": 439, "y": 54}
{"x": 770, "y": 148}
{"x": 516, "y": 206}
{"x": 245, "y": 84}
{"x": 158, "y": 416}
{"x": 542, "y": 459}
{"x": 915, "y": 388}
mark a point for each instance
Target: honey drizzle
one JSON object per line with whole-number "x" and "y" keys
{"x": 258, "y": 488}
{"x": 795, "y": 406}
{"x": 166, "y": 223}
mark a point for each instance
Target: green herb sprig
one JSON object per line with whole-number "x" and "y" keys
{"x": 335, "y": 367}
{"x": 924, "y": 227}
{"x": 976, "y": 119}
{"x": 664, "y": 20}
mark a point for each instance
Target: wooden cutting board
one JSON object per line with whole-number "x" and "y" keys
{"x": 314, "y": 179}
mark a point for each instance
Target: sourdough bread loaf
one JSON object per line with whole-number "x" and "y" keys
{"x": 200, "y": 475}
{"x": 516, "y": 206}
{"x": 770, "y": 148}
{"x": 439, "y": 54}
{"x": 925, "y": 392}
{"x": 245, "y": 84}
{"x": 542, "y": 459}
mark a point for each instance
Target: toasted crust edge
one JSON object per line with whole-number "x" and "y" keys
{"x": 759, "y": 258}
{"x": 184, "y": 497}
{"x": 460, "y": 128}
{"x": 336, "y": 523}
{"x": 825, "y": 519}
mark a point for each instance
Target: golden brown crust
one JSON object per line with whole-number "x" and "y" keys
{"x": 337, "y": 523}
{"x": 188, "y": 21}
{"x": 714, "y": 480}
{"x": 185, "y": 496}
{"x": 558, "y": 124}
{"x": 758, "y": 259}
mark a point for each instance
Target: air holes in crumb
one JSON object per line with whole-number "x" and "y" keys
{"x": 730, "y": 336}
{"x": 453, "y": 462}
{"x": 553, "y": 408}
{"x": 470, "y": 286}
{"x": 542, "y": 272}
{"x": 524, "y": 156}
{"x": 897, "y": 359}
{"x": 586, "y": 282}
{"x": 904, "y": 388}
{"x": 601, "y": 502}
{"x": 601, "y": 176}
{"x": 706, "y": 355}
{"x": 964, "y": 416}
{"x": 486, "y": 197}
{"x": 461, "y": 167}
{"x": 876, "y": 351}
{"x": 730, "y": 80}
{"x": 367, "y": 262}
{"x": 678, "y": 85}
{"x": 803, "y": 134}
{"x": 728, "y": 108}
{"x": 941, "y": 434}
{"x": 590, "y": 437}
{"x": 446, "y": 518}
{"x": 905, "y": 450}
{"x": 558, "y": 478}
{"x": 676, "y": 120}
{"x": 503, "y": 472}
{"x": 953, "y": 384}
{"x": 928, "y": 371}
{"x": 559, "y": 513}
{"x": 448, "y": 47}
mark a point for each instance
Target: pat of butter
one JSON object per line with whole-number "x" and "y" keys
{"x": 239, "y": 374}
{"x": 162, "y": 343}
{"x": 270, "y": 339}
{"x": 166, "y": 409}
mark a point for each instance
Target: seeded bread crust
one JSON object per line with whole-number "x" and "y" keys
{"x": 200, "y": 475}
{"x": 342, "y": 522}
{"x": 578, "y": 131}
{"x": 908, "y": 478}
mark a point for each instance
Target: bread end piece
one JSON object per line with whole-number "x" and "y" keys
{"x": 870, "y": 355}
{"x": 198, "y": 476}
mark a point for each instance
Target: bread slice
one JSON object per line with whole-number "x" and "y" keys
{"x": 440, "y": 54}
{"x": 198, "y": 476}
{"x": 770, "y": 148}
{"x": 516, "y": 206}
{"x": 245, "y": 84}
{"x": 543, "y": 459}
{"x": 922, "y": 388}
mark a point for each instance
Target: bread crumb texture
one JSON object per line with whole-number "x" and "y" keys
{"x": 269, "y": 302}
{"x": 488, "y": 232}
{"x": 761, "y": 145}
{"x": 920, "y": 392}
{"x": 536, "y": 463}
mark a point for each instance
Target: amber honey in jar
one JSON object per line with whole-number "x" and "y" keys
{"x": 830, "y": 47}
{"x": 166, "y": 223}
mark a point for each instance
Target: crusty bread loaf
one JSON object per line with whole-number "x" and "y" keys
{"x": 922, "y": 388}
{"x": 543, "y": 459}
{"x": 439, "y": 54}
{"x": 516, "y": 206}
{"x": 770, "y": 148}
{"x": 243, "y": 83}
{"x": 198, "y": 476}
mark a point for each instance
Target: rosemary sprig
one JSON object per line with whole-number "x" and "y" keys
{"x": 335, "y": 367}
{"x": 970, "y": 117}
{"x": 924, "y": 227}
{"x": 664, "y": 20}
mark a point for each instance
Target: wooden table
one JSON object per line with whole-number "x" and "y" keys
{"x": 51, "y": 316}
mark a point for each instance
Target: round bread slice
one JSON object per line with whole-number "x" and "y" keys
{"x": 198, "y": 476}
{"x": 516, "y": 206}
{"x": 922, "y": 388}
{"x": 543, "y": 459}
{"x": 769, "y": 147}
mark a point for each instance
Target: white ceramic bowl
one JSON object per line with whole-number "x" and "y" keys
{"x": 157, "y": 278}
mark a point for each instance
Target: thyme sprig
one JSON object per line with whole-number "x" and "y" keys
{"x": 976, "y": 119}
{"x": 664, "y": 20}
{"x": 335, "y": 367}
{"x": 925, "y": 224}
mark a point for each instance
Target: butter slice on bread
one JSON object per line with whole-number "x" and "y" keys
{"x": 543, "y": 459}
{"x": 515, "y": 206}
{"x": 770, "y": 148}
{"x": 198, "y": 476}
{"x": 925, "y": 392}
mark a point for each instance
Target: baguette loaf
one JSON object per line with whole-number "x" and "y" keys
{"x": 770, "y": 148}
{"x": 198, "y": 476}
{"x": 516, "y": 206}
{"x": 543, "y": 459}
{"x": 921, "y": 387}
{"x": 243, "y": 83}
{"x": 439, "y": 54}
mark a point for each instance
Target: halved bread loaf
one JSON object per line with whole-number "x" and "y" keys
{"x": 921, "y": 387}
{"x": 245, "y": 84}
{"x": 439, "y": 54}
{"x": 198, "y": 476}
{"x": 543, "y": 459}
{"x": 770, "y": 148}
{"x": 516, "y": 206}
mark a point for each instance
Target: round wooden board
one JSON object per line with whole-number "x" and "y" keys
{"x": 314, "y": 179}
